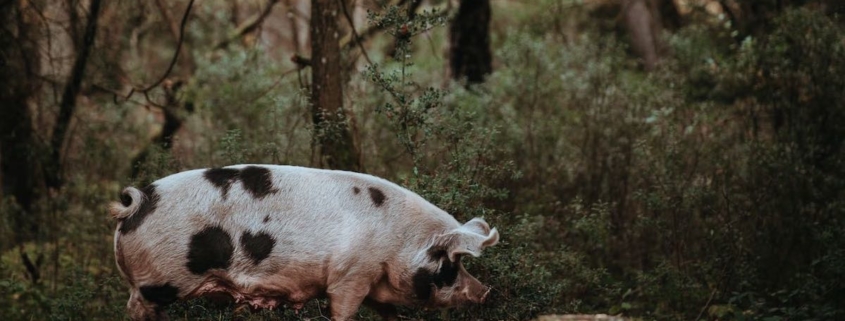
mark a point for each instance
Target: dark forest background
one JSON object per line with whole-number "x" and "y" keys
{"x": 659, "y": 159}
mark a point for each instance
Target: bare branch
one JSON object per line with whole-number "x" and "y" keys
{"x": 34, "y": 270}
{"x": 247, "y": 26}
{"x": 172, "y": 61}
{"x": 171, "y": 24}
{"x": 704, "y": 308}
{"x": 294, "y": 30}
{"x": 185, "y": 60}
{"x": 349, "y": 41}
{"x": 354, "y": 33}
{"x": 300, "y": 61}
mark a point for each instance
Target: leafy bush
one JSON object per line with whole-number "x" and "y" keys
{"x": 710, "y": 188}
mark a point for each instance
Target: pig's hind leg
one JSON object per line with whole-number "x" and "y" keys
{"x": 147, "y": 302}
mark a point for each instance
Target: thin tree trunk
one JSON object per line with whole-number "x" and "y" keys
{"x": 336, "y": 146}
{"x": 470, "y": 57}
{"x": 172, "y": 124}
{"x": 19, "y": 64}
{"x": 669, "y": 14}
{"x": 643, "y": 30}
{"x": 53, "y": 172}
{"x": 294, "y": 27}
{"x": 755, "y": 17}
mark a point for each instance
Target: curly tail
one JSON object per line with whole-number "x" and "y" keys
{"x": 130, "y": 201}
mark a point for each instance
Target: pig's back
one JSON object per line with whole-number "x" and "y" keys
{"x": 303, "y": 202}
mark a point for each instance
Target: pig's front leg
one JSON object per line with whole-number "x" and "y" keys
{"x": 386, "y": 311}
{"x": 345, "y": 298}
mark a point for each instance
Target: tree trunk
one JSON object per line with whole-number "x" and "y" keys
{"x": 669, "y": 14}
{"x": 754, "y": 18}
{"x": 172, "y": 124}
{"x": 337, "y": 150}
{"x": 19, "y": 64}
{"x": 644, "y": 29}
{"x": 469, "y": 34}
{"x": 53, "y": 171}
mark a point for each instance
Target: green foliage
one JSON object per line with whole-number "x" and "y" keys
{"x": 250, "y": 109}
{"x": 83, "y": 293}
{"x": 452, "y": 149}
{"x": 710, "y": 188}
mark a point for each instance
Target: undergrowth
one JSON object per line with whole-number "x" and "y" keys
{"x": 710, "y": 188}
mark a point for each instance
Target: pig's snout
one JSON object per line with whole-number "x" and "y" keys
{"x": 484, "y": 294}
{"x": 477, "y": 294}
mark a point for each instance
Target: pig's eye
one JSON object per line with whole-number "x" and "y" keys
{"x": 447, "y": 274}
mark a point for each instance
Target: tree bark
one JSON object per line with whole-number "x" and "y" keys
{"x": 172, "y": 124}
{"x": 53, "y": 171}
{"x": 643, "y": 28}
{"x": 19, "y": 65}
{"x": 332, "y": 134}
{"x": 669, "y": 14}
{"x": 470, "y": 57}
{"x": 754, "y": 18}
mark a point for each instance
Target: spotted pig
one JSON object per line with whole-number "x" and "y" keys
{"x": 267, "y": 236}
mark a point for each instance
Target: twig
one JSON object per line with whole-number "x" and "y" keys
{"x": 294, "y": 30}
{"x": 300, "y": 61}
{"x": 32, "y": 269}
{"x": 271, "y": 87}
{"x": 174, "y": 29}
{"x": 347, "y": 42}
{"x": 172, "y": 61}
{"x": 96, "y": 87}
{"x": 320, "y": 310}
{"x": 249, "y": 25}
{"x": 712, "y": 293}
{"x": 147, "y": 96}
{"x": 433, "y": 49}
{"x": 354, "y": 33}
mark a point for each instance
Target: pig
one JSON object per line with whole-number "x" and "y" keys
{"x": 272, "y": 235}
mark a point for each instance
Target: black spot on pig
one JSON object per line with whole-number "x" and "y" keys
{"x": 437, "y": 253}
{"x": 258, "y": 181}
{"x": 377, "y": 195}
{"x": 222, "y": 178}
{"x": 160, "y": 294}
{"x": 266, "y": 219}
{"x": 356, "y": 190}
{"x": 421, "y": 281}
{"x": 447, "y": 275}
{"x": 258, "y": 246}
{"x": 209, "y": 249}
{"x": 148, "y": 205}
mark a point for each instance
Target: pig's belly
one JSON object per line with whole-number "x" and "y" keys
{"x": 258, "y": 293}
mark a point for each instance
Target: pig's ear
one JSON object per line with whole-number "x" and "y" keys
{"x": 471, "y": 238}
